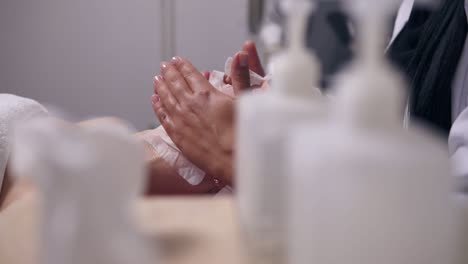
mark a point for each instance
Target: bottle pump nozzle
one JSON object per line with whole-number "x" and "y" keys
{"x": 298, "y": 12}
{"x": 297, "y": 71}
{"x": 371, "y": 91}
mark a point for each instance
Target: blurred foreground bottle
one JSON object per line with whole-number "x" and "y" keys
{"x": 364, "y": 189}
{"x": 88, "y": 180}
{"x": 264, "y": 121}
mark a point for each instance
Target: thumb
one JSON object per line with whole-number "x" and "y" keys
{"x": 240, "y": 73}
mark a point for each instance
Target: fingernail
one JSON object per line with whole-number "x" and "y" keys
{"x": 163, "y": 65}
{"x": 156, "y": 81}
{"x": 243, "y": 59}
{"x": 175, "y": 59}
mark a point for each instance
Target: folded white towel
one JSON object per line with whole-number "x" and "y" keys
{"x": 14, "y": 109}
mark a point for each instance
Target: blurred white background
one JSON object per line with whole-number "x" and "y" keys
{"x": 98, "y": 57}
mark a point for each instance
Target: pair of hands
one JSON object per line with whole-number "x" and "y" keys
{"x": 199, "y": 118}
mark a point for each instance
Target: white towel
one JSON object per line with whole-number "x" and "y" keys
{"x": 14, "y": 109}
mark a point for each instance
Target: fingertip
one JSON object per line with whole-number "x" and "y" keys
{"x": 156, "y": 81}
{"x": 240, "y": 75}
{"x": 164, "y": 65}
{"x": 176, "y": 60}
{"x": 235, "y": 59}
{"x": 249, "y": 46}
{"x": 254, "y": 59}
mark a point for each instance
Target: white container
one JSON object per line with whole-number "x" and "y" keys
{"x": 364, "y": 190}
{"x": 264, "y": 119}
{"x": 89, "y": 180}
{"x": 362, "y": 197}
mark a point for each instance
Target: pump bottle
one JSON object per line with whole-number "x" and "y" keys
{"x": 364, "y": 189}
{"x": 264, "y": 121}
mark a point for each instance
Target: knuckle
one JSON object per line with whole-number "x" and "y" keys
{"x": 171, "y": 103}
{"x": 203, "y": 94}
{"x": 193, "y": 104}
{"x": 162, "y": 117}
{"x": 187, "y": 68}
{"x": 198, "y": 101}
{"x": 189, "y": 72}
{"x": 172, "y": 77}
{"x": 181, "y": 110}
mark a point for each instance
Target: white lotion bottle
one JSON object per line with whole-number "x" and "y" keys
{"x": 365, "y": 190}
{"x": 89, "y": 180}
{"x": 264, "y": 119}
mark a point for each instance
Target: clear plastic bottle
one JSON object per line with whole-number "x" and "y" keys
{"x": 365, "y": 190}
{"x": 264, "y": 119}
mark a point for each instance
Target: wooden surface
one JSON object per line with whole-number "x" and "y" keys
{"x": 187, "y": 230}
